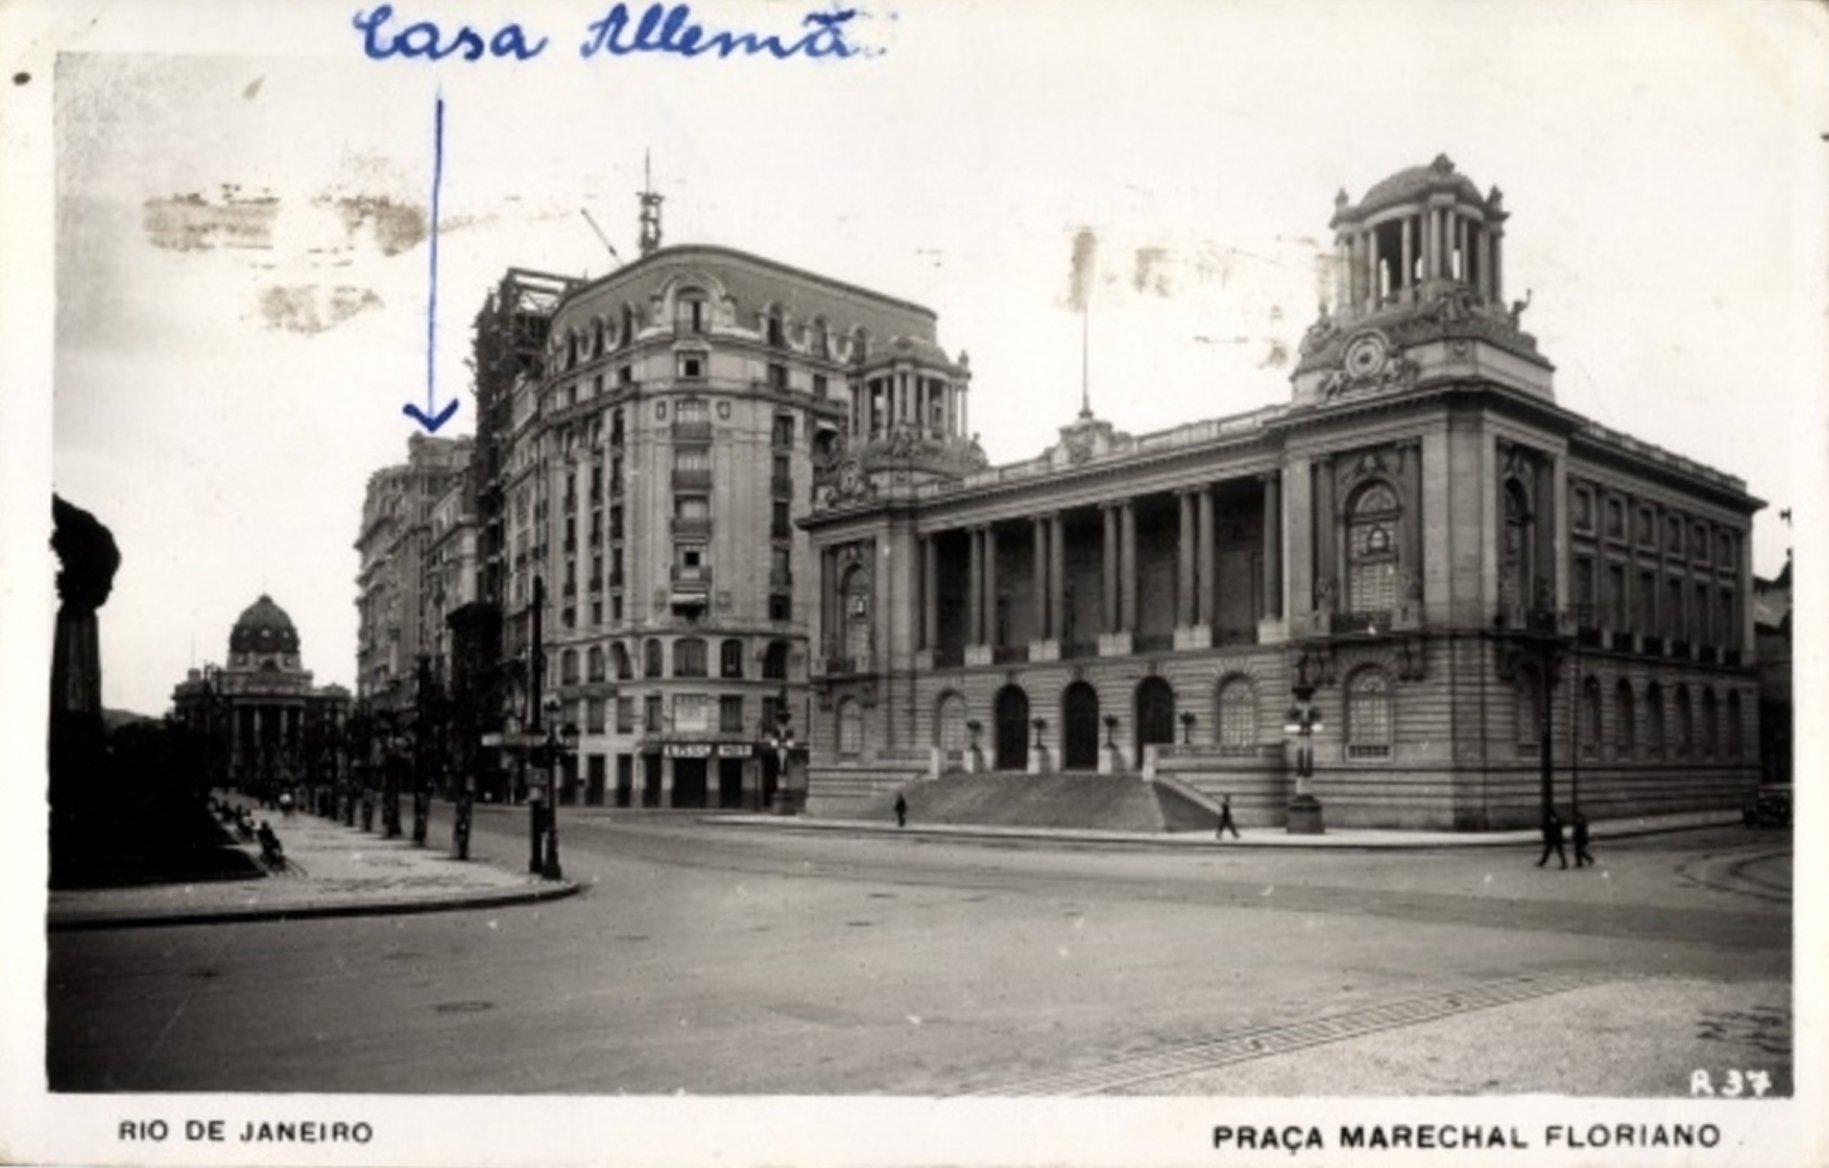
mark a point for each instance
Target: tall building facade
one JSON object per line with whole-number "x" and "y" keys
{"x": 655, "y": 459}
{"x": 1467, "y": 573}
{"x": 402, "y": 586}
{"x": 269, "y": 726}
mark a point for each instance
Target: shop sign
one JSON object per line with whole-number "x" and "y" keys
{"x": 687, "y": 750}
{"x": 734, "y": 750}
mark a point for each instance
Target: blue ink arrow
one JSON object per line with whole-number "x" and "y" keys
{"x": 432, "y": 417}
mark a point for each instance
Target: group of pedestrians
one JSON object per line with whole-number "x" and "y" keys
{"x": 1552, "y": 840}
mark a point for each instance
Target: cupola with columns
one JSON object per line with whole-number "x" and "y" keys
{"x": 1417, "y": 294}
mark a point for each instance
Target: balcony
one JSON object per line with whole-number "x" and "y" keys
{"x": 1709, "y": 654}
{"x": 1071, "y": 650}
{"x": 951, "y": 658}
{"x": 1674, "y": 648}
{"x": 691, "y": 480}
{"x": 1152, "y": 642}
{"x": 691, "y": 579}
{"x": 616, "y": 487}
{"x": 692, "y": 430}
{"x": 1009, "y": 654}
{"x": 616, "y": 578}
{"x": 1620, "y": 641}
{"x": 698, "y": 526}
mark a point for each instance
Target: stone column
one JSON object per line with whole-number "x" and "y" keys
{"x": 1206, "y": 594}
{"x": 991, "y": 632}
{"x": 1185, "y": 553}
{"x": 1409, "y": 253}
{"x": 1497, "y": 234}
{"x": 1127, "y": 569}
{"x": 1273, "y": 545}
{"x": 974, "y": 601}
{"x": 1413, "y": 551}
{"x": 1375, "y": 295}
{"x": 1057, "y": 577}
{"x": 1038, "y": 578}
{"x": 930, "y": 592}
{"x": 1429, "y": 221}
{"x": 1109, "y": 549}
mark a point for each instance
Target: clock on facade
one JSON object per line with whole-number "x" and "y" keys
{"x": 1365, "y": 356}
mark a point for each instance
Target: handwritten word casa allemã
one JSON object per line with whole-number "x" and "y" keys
{"x": 661, "y": 28}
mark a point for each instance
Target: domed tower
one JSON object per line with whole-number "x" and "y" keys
{"x": 908, "y": 422}
{"x": 264, "y": 638}
{"x": 1418, "y": 294}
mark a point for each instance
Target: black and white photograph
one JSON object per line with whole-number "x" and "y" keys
{"x": 755, "y": 582}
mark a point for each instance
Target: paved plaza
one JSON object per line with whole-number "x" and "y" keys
{"x": 740, "y": 956}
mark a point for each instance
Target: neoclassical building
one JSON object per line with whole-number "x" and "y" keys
{"x": 1459, "y": 566}
{"x": 655, "y": 456}
{"x": 270, "y": 725}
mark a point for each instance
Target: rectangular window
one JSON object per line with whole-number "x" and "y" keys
{"x": 1647, "y": 603}
{"x": 651, "y": 720}
{"x": 777, "y": 376}
{"x": 780, "y": 607}
{"x": 771, "y": 712}
{"x": 781, "y": 524}
{"x": 625, "y": 715}
{"x": 689, "y": 658}
{"x": 1616, "y": 596}
{"x": 594, "y": 715}
{"x": 784, "y": 430}
{"x": 690, "y": 366}
{"x": 1673, "y": 609}
{"x": 820, "y": 388}
{"x": 730, "y": 714}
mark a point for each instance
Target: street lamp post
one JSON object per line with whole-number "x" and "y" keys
{"x": 1302, "y": 723}
{"x": 422, "y": 801}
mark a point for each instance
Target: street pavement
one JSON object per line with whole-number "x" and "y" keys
{"x": 718, "y": 958}
{"x": 333, "y": 870}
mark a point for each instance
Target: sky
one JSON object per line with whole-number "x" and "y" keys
{"x": 242, "y": 232}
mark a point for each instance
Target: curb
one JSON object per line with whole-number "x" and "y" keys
{"x": 71, "y": 922}
{"x": 1202, "y": 841}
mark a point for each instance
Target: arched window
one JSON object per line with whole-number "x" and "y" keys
{"x": 1590, "y": 715}
{"x": 856, "y": 592}
{"x": 1654, "y": 718}
{"x": 651, "y": 659}
{"x": 850, "y": 728}
{"x": 626, "y": 336}
{"x": 568, "y": 667}
{"x": 730, "y": 659}
{"x": 689, "y": 657}
{"x": 1515, "y": 551}
{"x": 1625, "y": 719}
{"x": 594, "y": 664}
{"x": 822, "y": 339}
{"x": 619, "y": 657}
{"x": 950, "y": 733}
{"x": 1368, "y": 714}
{"x": 1711, "y": 723}
{"x": 689, "y": 311}
{"x": 774, "y": 329}
{"x": 860, "y": 344}
{"x": 1371, "y": 549}
{"x": 1686, "y": 723}
{"x": 774, "y": 661}
{"x": 1735, "y": 743}
{"x": 1237, "y": 716}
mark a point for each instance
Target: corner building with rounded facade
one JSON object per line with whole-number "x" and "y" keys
{"x": 655, "y": 476}
{"x": 1420, "y": 532}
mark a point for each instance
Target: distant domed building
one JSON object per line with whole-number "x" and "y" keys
{"x": 271, "y": 724}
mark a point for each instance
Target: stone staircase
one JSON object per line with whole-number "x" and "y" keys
{"x": 1118, "y": 802}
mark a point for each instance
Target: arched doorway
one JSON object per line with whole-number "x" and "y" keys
{"x": 1079, "y": 727}
{"x": 1155, "y": 714}
{"x": 1012, "y": 729}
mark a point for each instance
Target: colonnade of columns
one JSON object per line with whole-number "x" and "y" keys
{"x": 265, "y": 727}
{"x": 1443, "y": 242}
{"x": 1197, "y": 593}
{"x": 934, "y": 406}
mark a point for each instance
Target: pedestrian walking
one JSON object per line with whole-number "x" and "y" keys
{"x": 901, "y": 811}
{"x": 1225, "y": 819}
{"x": 285, "y": 804}
{"x": 1582, "y": 859}
{"x": 1552, "y": 840}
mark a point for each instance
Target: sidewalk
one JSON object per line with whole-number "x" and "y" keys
{"x": 1249, "y": 837}
{"x": 331, "y": 870}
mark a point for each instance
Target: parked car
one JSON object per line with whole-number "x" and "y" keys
{"x": 1769, "y": 807}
